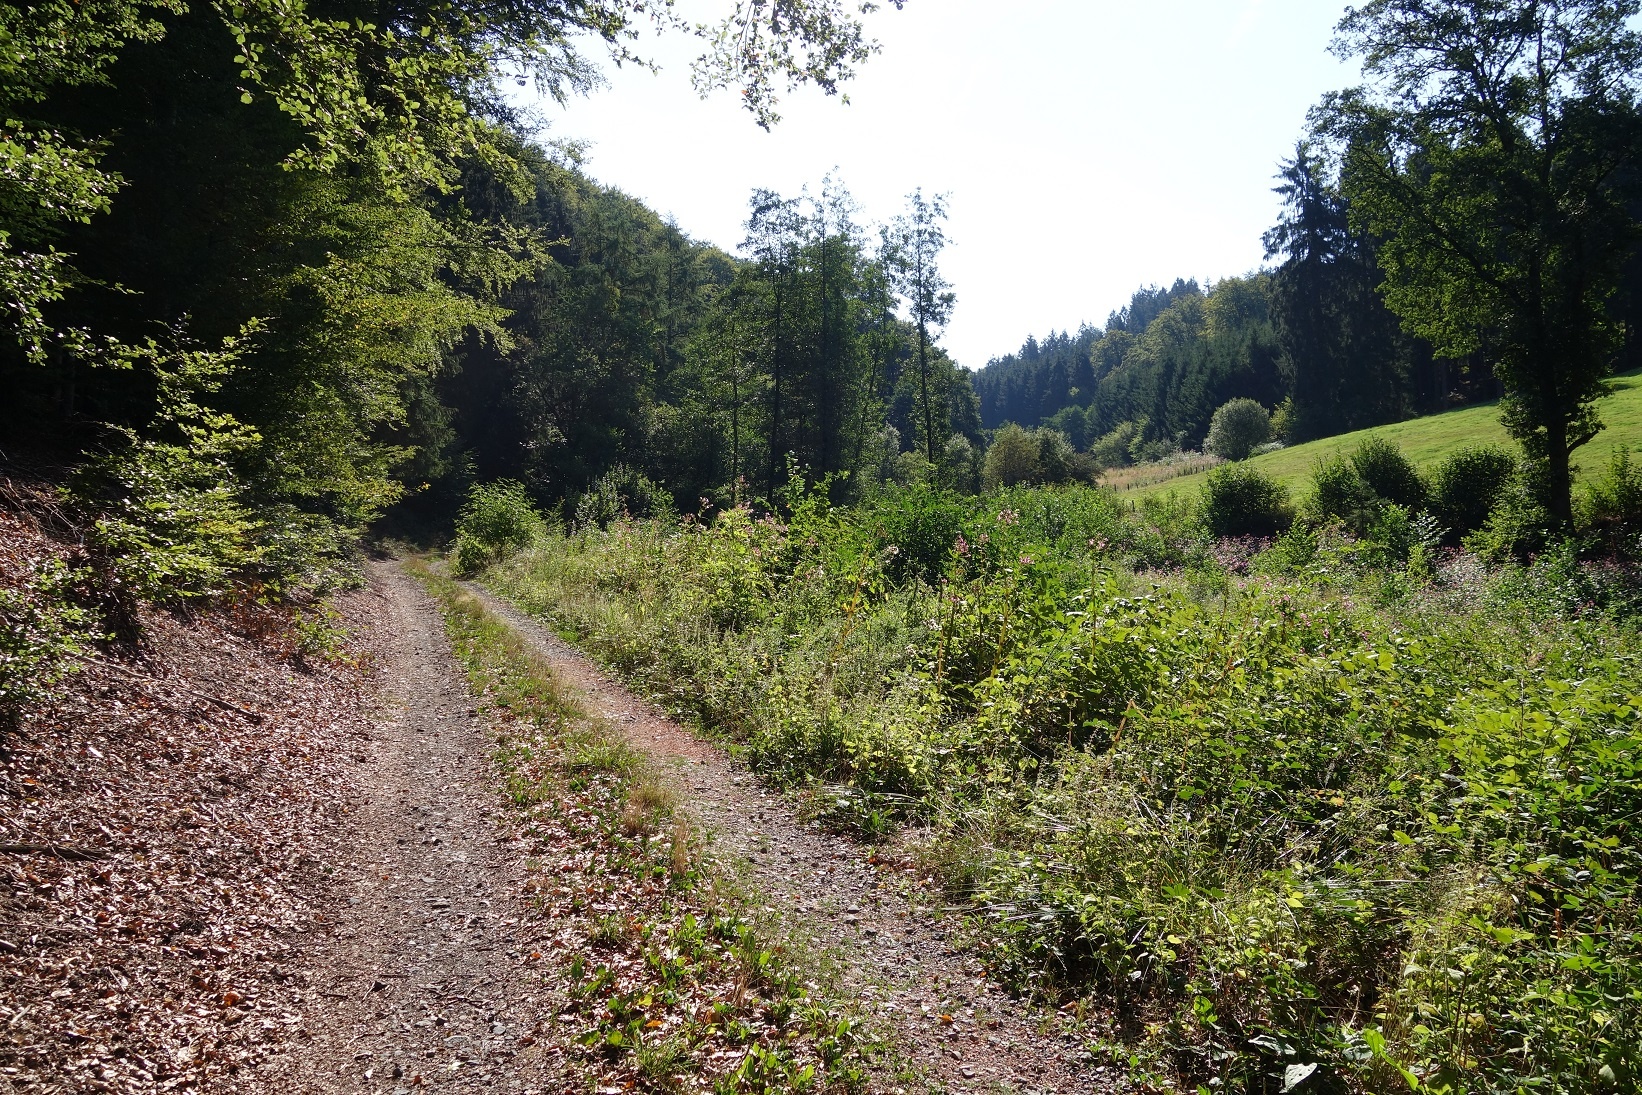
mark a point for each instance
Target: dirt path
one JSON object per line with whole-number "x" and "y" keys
{"x": 420, "y": 979}
{"x": 894, "y": 952}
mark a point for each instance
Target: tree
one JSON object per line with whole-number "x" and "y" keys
{"x": 1237, "y": 428}
{"x": 1012, "y": 458}
{"x": 341, "y": 197}
{"x": 1493, "y": 151}
{"x": 916, "y": 240}
{"x": 1348, "y": 363}
{"x": 814, "y": 42}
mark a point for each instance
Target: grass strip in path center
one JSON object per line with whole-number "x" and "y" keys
{"x": 673, "y": 988}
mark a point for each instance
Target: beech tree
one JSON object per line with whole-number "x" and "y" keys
{"x": 1492, "y": 151}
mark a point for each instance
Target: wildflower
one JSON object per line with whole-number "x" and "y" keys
{"x": 962, "y": 546}
{"x": 1026, "y": 560}
{"x": 1008, "y": 516}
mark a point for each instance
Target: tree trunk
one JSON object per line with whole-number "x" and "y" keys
{"x": 923, "y": 386}
{"x": 1559, "y": 479}
{"x": 775, "y": 400}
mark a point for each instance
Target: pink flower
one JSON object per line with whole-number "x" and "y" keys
{"x": 962, "y": 546}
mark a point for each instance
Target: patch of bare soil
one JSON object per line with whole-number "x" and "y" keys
{"x": 427, "y": 969}
{"x": 164, "y": 828}
{"x": 896, "y": 952}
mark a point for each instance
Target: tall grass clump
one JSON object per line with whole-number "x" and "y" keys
{"x": 1264, "y": 832}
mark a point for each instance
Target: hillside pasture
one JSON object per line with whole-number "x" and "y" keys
{"x": 1426, "y": 441}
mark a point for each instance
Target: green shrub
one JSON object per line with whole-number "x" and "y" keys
{"x": 621, "y": 492}
{"x": 199, "y": 504}
{"x": 172, "y": 520}
{"x": 1011, "y": 459}
{"x": 1520, "y": 524}
{"x": 1237, "y": 428}
{"x": 917, "y": 530}
{"x": 1240, "y": 501}
{"x": 1019, "y": 456}
{"x": 1389, "y": 474}
{"x": 1466, "y": 485}
{"x": 41, "y": 629}
{"x": 1338, "y": 493}
{"x": 1118, "y": 448}
{"x": 1396, "y": 536}
{"x": 1611, "y": 507}
{"x": 961, "y": 465}
{"x": 1283, "y": 422}
{"x": 497, "y": 520}
{"x": 1354, "y": 490}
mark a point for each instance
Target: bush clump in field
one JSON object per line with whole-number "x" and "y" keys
{"x": 1237, "y": 429}
{"x": 1241, "y": 501}
{"x": 1339, "y": 494}
{"x": 497, "y": 520}
{"x": 1355, "y": 490}
{"x": 1466, "y": 486}
{"x": 1020, "y": 456}
{"x": 1383, "y": 468}
{"x": 622, "y": 492}
{"x": 1610, "y": 509}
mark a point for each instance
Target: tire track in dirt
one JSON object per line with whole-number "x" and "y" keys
{"x": 895, "y": 954}
{"x": 420, "y": 979}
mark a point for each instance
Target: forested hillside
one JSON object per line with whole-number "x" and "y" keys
{"x": 638, "y": 349}
{"x": 273, "y": 274}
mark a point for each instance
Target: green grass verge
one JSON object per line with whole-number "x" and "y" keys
{"x": 1426, "y": 441}
{"x": 671, "y": 984}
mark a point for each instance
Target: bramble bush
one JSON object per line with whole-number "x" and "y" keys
{"x": 1245, "y": 502}
{"x": 1269, "y": 832}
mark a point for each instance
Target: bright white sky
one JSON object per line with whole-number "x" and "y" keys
{"x": 1088, "y": 146}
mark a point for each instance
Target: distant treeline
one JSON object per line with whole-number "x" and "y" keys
{"x": 1313, "y": 331}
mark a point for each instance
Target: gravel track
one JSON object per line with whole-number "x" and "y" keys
{"x": 423, "y": 967}
{"x": 894, "y": 952}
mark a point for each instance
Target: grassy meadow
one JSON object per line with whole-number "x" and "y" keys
{"x": 1279, "y": 816}
{"x": 1425, "y": 441}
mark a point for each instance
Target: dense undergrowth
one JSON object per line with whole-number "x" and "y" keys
{"x": 668, "y": 981}
{"x": 1306, "y": 814}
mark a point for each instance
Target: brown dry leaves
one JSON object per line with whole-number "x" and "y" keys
{"x": 169, "y": 959}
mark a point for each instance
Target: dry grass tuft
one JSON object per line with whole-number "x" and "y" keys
{"x": 648, "y": 803}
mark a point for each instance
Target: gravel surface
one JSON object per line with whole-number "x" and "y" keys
{"x": 894, "y": 952}
{"x": 303, "y": 892}
{"x": 424, "y": 965}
